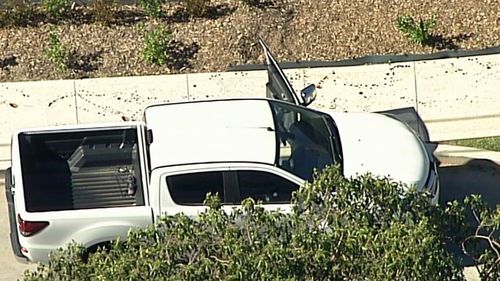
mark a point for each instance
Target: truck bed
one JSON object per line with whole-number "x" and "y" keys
{"x": 80, "y": 170}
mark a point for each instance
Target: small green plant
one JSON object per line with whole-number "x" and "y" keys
{"x": 57, "y": 8}
{"x": 157, "y": 45}
{"x": 152, "y": 7}
{"x": 196, "y": 8}
{"x": 57, "y": 52}
{"x": 103, "y": 10}
{"x": 417, "y": 32}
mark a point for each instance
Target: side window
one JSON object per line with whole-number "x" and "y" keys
{"x": 192, "y": 188}
{"x": 267, "y": 187}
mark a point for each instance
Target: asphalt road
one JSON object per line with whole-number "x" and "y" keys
{"x": 475, "y": 176}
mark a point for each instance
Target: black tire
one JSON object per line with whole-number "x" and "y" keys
{"x": 103, "y": 246}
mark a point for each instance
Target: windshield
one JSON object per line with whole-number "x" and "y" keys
{"x": 304, "y": 139}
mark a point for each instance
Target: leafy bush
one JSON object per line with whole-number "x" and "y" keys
{"x": 417, "y": 32}
{"x": 57, "y": 52}
{"x": 157, "y": 46}
{"x": 57, "y": 8}
{"x": 483, "y": 242}
{"x": 196, "y": 8}
{"x": 338, "y": 229}
{"x": 16, "y": 12}
{"x": 152, "y": 7}
{"x": 103, "y": 10}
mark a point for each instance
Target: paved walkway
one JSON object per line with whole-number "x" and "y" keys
{"x": 457, "y": 155}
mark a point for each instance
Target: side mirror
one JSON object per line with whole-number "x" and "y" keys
{"x": 308, "y": 94}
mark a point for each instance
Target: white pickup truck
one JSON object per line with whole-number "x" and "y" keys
{"x": 93, "y": 183}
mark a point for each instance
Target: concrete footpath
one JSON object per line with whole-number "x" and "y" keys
{"x": 458, "y": 155}
{"x": 455, "y": 97}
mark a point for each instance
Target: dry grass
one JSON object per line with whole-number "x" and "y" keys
{"x": 294, "y": 29}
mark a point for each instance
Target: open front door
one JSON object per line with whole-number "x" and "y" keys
{"x": 278, "y": 87}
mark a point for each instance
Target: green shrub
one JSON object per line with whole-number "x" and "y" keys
{"x": 483, "y": 242}
{"x": 196, "y": 8}
{"x": 57, "y": 52}
{"x": 369, "y": 229}
{"x": 16, "y": 12}
{"x": 417, "y": 32}
{"x": 152, "y": 7}
{"x": 157, "y": 46}
{"x": 103, "y": 10}
{"x": 58, "y": 9}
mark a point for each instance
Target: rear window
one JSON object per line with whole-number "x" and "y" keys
{"x": 192, "y": 188}
{"x": 80, "y": 169}
{"x": 265, "y": 187}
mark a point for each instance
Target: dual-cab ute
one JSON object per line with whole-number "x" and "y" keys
{"x": 93, "y": 183}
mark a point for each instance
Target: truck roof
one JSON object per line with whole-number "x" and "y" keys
{"x": 235, "y": 130}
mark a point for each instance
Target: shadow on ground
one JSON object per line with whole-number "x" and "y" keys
{"x": 477, "y": 176}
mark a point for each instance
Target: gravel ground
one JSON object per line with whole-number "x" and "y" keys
{"x": 294, "y": 30}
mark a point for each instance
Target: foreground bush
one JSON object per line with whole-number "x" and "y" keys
{"x": 369, "y": 229}
{"x": 482, "y": 239}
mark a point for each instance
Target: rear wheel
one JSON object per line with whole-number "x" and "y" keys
{"x": 103, "y": 246}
